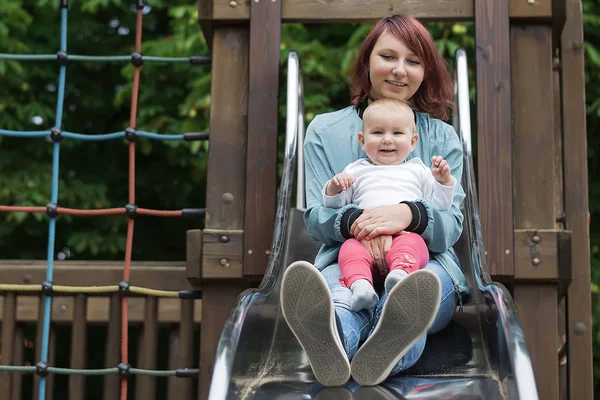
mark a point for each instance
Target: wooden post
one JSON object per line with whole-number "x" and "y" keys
{"x": 263, "y": 112}
{"x": 492, "y": 54}
{"x": 536, "y": 296}
{"x": 225, "y": 187}
{"x": 579, "y": 333}
{"x": 7, "y": 345}
{"x": 562, "y": 323}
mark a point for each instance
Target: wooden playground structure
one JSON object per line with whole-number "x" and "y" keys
{"x": 532, "y": 180}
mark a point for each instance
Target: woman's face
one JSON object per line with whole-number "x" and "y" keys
{"x": 395, "y": 71}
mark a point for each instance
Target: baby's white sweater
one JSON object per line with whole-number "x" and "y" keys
{"x": 381, "y": 185}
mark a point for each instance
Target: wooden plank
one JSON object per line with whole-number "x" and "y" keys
{"x": 205, "y": 13}
{"x": 28, "y": 309}
{"x": 197, "y": 311}
{"x": 38, "y": 341}
{"x": 50, "y": 379}
{"x": 228, "y": 126}
{"x": 78, "y": 348}
{"x": 226, "y": 186}
{"x": 146, "y": 385}
{"x": 193, "y": 257}
{"x": 559, "y": 16}
{"x": 345, "y": 11}
{"x": 174, "y": 363}
{"x": 534, "y": 201}
{"x": 169, "y": 310}
{"x": 216, "y": 304}
{"x": 563, "y": 372}
{"x": 576, "y": 204}
{"x": 155, "y": 275}
{"x": 494, "y": 134}
{"x": 183, "y": 387}
{"x": 538, "y": 255}
{"x": 530, "y": 9}
{"x": 349, "y": 10}
{"x": 558, "y": 148}
{"x": 538, "y": 304}
{"x": 532, "y": 90}
{"x": 263, "y": 114}
{"x": 62, "y": 309}
{"x": 8, "y": 340}
{"x": 113, "y": 348}
{"x": 223, "y": 251}
{"x": 17, "y": 377}
{"x": 97, "y": 310}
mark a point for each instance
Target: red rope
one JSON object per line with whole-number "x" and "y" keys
{"x": 104, "y": 211}
{"x": 130, "y": 225}
{"x": 159, "y": 213}
{"x": 22, "y": 209}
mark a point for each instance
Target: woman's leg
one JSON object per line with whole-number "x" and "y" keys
{"x": 308, "y": 309}
{"x": 410, "y": 309}
{"x": 354, "y": 325}
{"x": 448, "y": 302}
{"x": 355, "y": 266}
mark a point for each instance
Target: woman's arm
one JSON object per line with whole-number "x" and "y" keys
{"x": 323, "y": 223}
{"x": 440, "y": 229}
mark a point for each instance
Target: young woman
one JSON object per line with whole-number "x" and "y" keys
{"x": 398, "y": 59}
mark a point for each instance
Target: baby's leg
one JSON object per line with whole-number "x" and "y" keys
{"x": 355, "y": 264}
{"x": 408, "y": 254}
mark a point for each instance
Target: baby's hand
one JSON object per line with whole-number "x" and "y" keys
{"x": 441, "y": 170}
{"x": 339, "y": 182}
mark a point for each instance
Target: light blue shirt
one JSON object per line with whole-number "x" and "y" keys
{"x": 332, "y": 143}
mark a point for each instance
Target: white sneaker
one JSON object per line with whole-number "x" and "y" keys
{"x": 309, "y": 312}
{"x": 408, "y": 312}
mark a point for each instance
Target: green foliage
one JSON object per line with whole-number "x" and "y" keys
{"x": 173, "y": 99}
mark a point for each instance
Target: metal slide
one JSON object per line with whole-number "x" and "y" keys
{"x": 482, "y": 354}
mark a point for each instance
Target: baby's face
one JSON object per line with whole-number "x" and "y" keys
{"x": 388, "y": 135}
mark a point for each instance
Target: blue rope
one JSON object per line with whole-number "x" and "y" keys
{"x": 53, "y": 199}
{"x": 91, "y": 138}
{"x": 30, "y": 134}
{"x": 88, "y": 137}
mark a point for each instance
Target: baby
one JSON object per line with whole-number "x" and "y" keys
{"x": 385, "y": 177}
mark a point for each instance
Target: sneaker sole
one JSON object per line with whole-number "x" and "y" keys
{"x": 309, "y": 312}
{"x": 409, "y": 311}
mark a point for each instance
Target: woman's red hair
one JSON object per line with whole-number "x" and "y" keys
{"x": 435, "y": 95}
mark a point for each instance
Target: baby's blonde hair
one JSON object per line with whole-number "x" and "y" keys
{"x": 389, "y": 103}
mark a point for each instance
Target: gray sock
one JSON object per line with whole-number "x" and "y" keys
{"x": 394, "y": 277}
{"x": 363, "y": 295}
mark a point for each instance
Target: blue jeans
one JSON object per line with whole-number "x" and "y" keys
{"x": 358, "y": 325}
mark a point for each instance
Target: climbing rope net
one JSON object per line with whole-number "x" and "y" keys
{"x": 131, "y": 210}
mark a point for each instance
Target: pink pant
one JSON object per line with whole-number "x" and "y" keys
{"x": 408, "y": 252}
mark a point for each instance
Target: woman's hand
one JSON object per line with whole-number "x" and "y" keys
{"x": 383, "y": 220}
{"x": 378, "y": 248}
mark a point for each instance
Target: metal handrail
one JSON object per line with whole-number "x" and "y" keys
{"x": 507, "y": 312}
{"x": 299, "y": 125}
{"x": 230, "y": 336}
